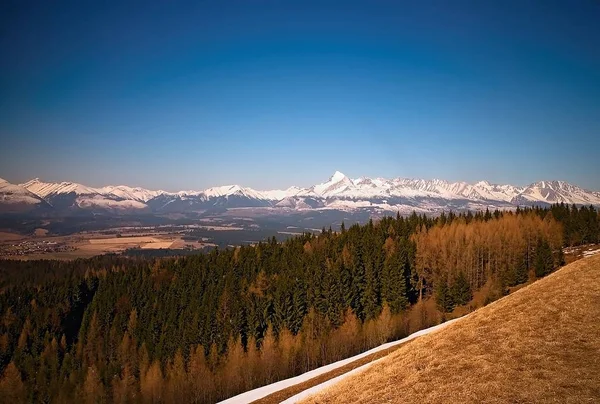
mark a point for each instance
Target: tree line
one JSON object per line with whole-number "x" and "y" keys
{"x": 205, "y": 327}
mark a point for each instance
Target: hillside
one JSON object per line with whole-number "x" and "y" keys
{"x": 540, "y": 344}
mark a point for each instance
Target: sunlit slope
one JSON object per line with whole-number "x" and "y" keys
{"x": 540, "y": 344}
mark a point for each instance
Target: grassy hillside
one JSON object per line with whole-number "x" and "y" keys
{"x": 540, "y": 344}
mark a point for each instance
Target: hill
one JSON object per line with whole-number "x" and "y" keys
{"x": 540, "y": 344}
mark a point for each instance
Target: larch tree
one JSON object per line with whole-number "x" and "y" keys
{"x": 93, "y": 390}
{"x": 12, "y": 389}
{"x": 152, "y": 384}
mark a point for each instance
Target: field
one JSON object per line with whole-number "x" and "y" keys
{"x": 540, "y": 344}
{"x": 83, "y": 237}
{"x": 118, "y": 244}
{"x": 86, "y": 245}
{"x": 7, "y": 236}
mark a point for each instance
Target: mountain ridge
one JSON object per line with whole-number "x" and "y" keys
{"x": 338, "y": 192}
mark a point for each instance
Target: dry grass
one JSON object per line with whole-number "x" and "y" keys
{"x": 39, "y": 232}
{"x": 540, "y": 344}
{"x": 284, "y": 394}
{"x": 8, "y": 236}
{"x": 158, "y": 244}
{"x": 124, "y": 240}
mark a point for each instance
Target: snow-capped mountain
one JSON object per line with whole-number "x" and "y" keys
{"x": 556, "y": 192}
{"x": 134, "y": 194}
{"x": 15, "y": 198}
{"x": 71, "y": 195}
{"x": 339, "y": 192}
{"x": 338, "y": 184}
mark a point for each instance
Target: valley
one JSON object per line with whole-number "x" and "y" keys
{"x": 299, "y": 202}
{"x": 67, "y": 220}
{"x": 71, "y": 238}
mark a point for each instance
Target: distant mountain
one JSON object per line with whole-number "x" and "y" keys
{"x": 15, "y": 198}
{"x": 556, "y": 192}
{"x": 129, "y": 193}
{"x": 339, "y": 192}
{"x": 73, "y": 196}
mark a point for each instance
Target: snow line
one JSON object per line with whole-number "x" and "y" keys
{"x": 256, "y": 394}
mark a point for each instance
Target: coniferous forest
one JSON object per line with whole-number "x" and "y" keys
{"x": 205, "y": 327}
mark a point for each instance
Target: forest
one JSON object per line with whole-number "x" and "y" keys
{"x": 204, "y": 327}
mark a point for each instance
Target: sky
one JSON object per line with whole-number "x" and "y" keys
{"x": 268, "y": 94}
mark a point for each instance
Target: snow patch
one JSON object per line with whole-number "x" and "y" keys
{"x": 264, "y": 391}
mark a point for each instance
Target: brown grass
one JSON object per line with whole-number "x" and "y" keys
{"x": 540, "y": 344}
{"x": 124, "y": 240}
{"x": 8, "y": 236}
{"x": 39, "y": 232}
{"x": 158, "y": 244}
{"x": 284, "y": 394}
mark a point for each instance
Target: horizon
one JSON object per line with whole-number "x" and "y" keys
{"x": 274, "y": 95}
{"x": 352, "y": 178}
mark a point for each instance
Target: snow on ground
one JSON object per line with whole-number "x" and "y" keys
{"x": 13, "y": 194}
{"x": 589, "y": 253}
{"x": 364, "y": 189}
{"x": 106, "y": 203}
{"x": 264, "y": 391}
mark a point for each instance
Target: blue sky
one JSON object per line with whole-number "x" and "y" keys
{"x": 273, "y": 93}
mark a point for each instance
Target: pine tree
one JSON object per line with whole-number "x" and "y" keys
{"x": 443, "y": 297}
{"x": 544, "y": 262}
{"x": 394, "y": 282}
{"x": 461, "y": 290}
{"x": 522, "y": 272}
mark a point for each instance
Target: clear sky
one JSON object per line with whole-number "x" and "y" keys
{"x": 273, "y": 93}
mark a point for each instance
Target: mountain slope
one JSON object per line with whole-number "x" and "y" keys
{"x": 539, "y": 344}
{"x": 134, "y": 194}
{"x": 339, "y": 192}
{"x": 15, "y": 198}
{"x": 556, "y": 192}
{"x": 74, "y": 196}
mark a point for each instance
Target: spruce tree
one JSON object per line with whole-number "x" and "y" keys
{"x": 461, "y": 290}
{"x": 544, "y": 262}
{"x": 443, "y": 297}
{"x": 522, "y": 273}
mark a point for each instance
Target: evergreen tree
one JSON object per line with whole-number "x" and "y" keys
{"x": 443, "y": 297}
{"x": 544, "y": 261}
{"x": 461, "y": 290}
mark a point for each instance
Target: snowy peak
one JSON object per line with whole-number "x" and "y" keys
{"x": 278, "y": 194}
{"x": 15, "y": 198}
{"x": 557, "y": 192}
{"x": 232, "y": 190}
{"x": 71, "y": 195}
{"x": 337, "y": 177}
{"x": 12, "y": 193}
{"x": 135, "y": 194}
{"x": 44, "y": 189}
{"x": 338, "y": 183}
{"x": 338, "y": 192}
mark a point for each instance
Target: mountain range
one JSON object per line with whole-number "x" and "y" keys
{"x": 339, "y": 192}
